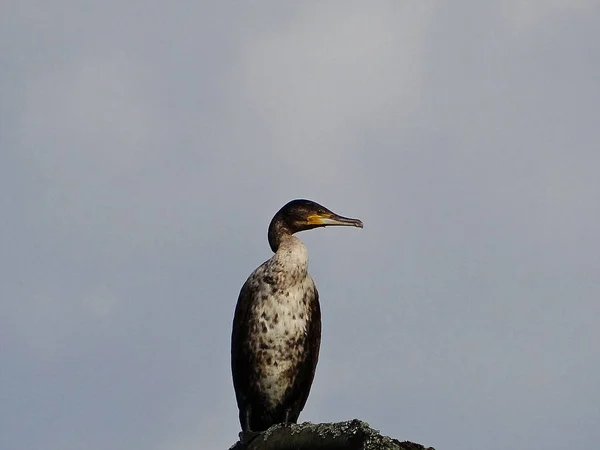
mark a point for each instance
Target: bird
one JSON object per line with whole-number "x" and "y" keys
{"x": 276, "y": 331}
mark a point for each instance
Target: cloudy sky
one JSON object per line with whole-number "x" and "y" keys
{"x": 144, "y": 147}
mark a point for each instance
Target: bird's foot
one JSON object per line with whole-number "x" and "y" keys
{"x": 248, "y": 436}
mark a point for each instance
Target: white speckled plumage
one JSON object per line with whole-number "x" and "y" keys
{"x": 280, "y": 313}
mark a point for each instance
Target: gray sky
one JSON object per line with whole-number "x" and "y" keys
{"x": 145, "y": 146}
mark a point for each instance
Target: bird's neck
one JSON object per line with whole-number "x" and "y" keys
{"x": 278, "y": 232}
{"x": 291, "y": 257}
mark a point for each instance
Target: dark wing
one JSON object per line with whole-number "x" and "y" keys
{"x": 306, "y": 374}
{"x": 240, "y": 361}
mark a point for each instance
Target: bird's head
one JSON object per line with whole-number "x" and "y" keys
{"x": 299, "y": 215}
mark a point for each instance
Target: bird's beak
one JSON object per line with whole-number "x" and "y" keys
{"x": 329, "y": 219}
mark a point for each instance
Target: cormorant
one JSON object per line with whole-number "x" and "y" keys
{"x": 277, "y": 323}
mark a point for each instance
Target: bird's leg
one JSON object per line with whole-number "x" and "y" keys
{"x": 286, "y": 417}
{"x": 247, "y": 434}
{"x": 247, "y": 412}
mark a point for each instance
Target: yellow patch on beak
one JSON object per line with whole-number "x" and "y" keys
{"x": 316, "y": 219}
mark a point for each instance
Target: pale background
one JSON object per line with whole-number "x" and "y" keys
{"x": 145, "y": 145}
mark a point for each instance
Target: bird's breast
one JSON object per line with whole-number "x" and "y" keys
{"x": 280, "y": 316}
